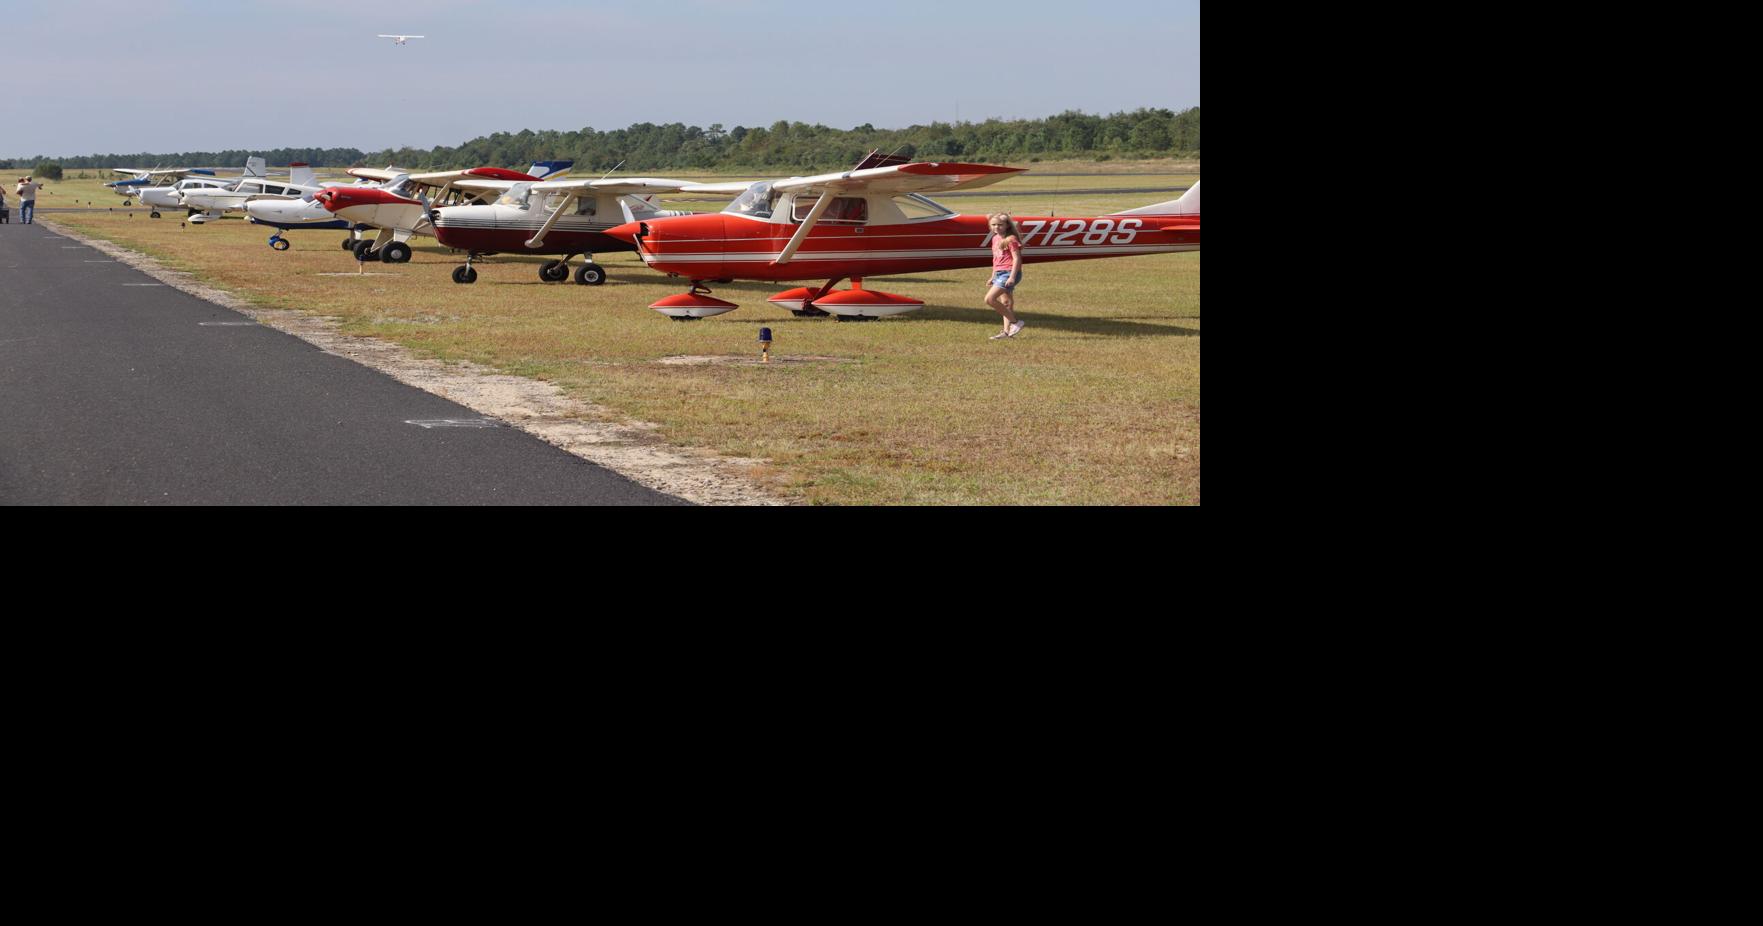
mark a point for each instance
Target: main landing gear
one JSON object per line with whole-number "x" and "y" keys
{"x": 851, "y": 305}
{"x": 588, "y": 274}
{"x": 153, "y": 215}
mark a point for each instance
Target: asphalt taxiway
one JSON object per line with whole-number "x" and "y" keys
{"x": 116, "y": 389}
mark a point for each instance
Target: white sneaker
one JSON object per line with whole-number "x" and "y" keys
{"x": 999, "y": 336}
{"x": 1015, "y": 329}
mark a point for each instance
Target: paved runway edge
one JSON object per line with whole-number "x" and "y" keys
{"x": 537, "y": 408}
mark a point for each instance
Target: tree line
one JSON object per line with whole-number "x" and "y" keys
{"x": 797, "y": 146}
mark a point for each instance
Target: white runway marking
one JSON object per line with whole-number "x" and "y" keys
{"x": 455, "y": 423}
{"x": 356, "y": 274}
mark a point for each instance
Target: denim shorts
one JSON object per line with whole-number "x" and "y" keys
{"x": 1001, "y": 278}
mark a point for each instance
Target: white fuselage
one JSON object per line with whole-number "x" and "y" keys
{"x": 170, "y": 197}
{"x": 251, "y": 189}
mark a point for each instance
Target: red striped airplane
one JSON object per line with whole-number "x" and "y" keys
{"x": 874, "y": 221}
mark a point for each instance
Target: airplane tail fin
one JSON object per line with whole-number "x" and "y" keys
{"x": 550, "y": 169}
{"x": 256, "y": 167}
{"x": 1188, "y": 204}
{"x": 638, "y": 208}
{"x": 300, "y": 174}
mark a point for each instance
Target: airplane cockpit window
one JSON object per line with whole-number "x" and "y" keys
{"x": 586, "y": 205}
{"x": 844, "y": 210}
{"x": 516, "y": 196}
{"x": 756, "y": 202}
{"x": 914, "y": 206}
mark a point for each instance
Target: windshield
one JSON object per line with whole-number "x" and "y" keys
{"x": 756, "y": 202}
{"x": 915, "y": 206}
{"x": 516, "y": 195}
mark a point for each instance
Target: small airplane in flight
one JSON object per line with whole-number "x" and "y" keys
{"x": 874, "y": 220}
{"x": 402, "y": 39}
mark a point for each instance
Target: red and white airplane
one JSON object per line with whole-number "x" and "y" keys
{"x": 563, "y": 217}
{"x": 873, "y": 221}
{"x": 409, "y": 201}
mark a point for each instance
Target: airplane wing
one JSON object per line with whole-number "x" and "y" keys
{"x": 375, "y": 173}
{"x": 922, "y": 177}
{"x": 732, "y": 188}
{"x": 176, "y": 172}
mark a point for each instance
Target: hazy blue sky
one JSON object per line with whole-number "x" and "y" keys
{"x": 97, "y": 76}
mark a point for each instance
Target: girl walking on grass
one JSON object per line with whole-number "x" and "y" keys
{"x": 1006, "y": 273}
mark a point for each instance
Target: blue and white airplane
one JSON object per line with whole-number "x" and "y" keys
{"x": 139, "y": 177}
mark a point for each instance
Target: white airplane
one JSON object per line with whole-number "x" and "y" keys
{"x": 171, "y": 197}
{"x": 141, "y": 177}
{"x": 401, "y": 39}
{"x": 207, "y": 204}
{"x": 395, "y": 229}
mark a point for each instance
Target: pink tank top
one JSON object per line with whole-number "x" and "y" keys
{"x": 1004, "y": 256}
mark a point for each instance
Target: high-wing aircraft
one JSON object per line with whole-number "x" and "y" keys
{"x": 171, "y": 197}
{"x": 139, "y": 178}
{"x": 402, "y": 39}
{"x": 565, "y": 217}
{"x": 435, "y": 188}
{"x": 874, "y": 221}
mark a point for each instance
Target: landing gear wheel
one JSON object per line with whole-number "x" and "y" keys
{"x": 153, "y": 215}
{"x": 555, "y": 271}
{"x": 280, "y": 244}
{"x": 350, "y": 243}
{"x": 364, "y": 250}
{"x": 395, "y": 253}
{"x": 590, "y": 274}
{"x": 464, "y": 274}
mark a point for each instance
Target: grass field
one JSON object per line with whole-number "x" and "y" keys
{"x": 1097, "y": 402}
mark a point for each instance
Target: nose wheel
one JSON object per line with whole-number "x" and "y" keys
{"x": 466, "y": 273}
{"x": 279, "y": 243}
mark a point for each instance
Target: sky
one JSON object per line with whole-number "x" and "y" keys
{"x": 102, "y": 76}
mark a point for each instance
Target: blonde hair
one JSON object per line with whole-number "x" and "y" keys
{"x": 1009, "y": 225}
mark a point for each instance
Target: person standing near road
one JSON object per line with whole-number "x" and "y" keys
{"x": 27, "y": 199}
{"x": 5, "y": 217}
{"x": 1006, "y": 273}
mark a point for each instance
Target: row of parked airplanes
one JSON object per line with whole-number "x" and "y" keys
{"x": 873, "y": 220}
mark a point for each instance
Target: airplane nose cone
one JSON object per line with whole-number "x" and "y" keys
{"x": 626, "y": 232}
